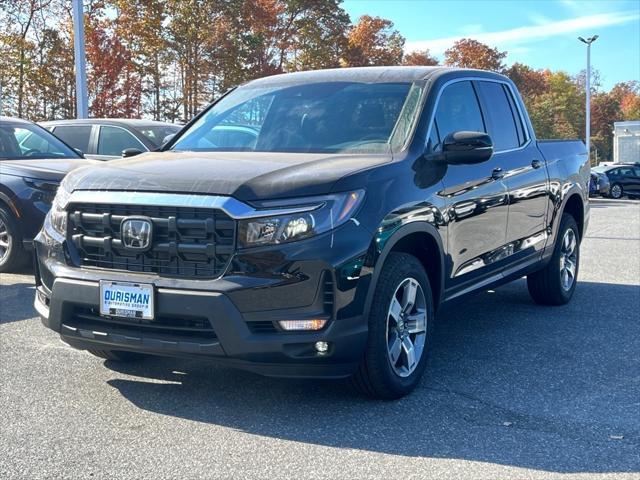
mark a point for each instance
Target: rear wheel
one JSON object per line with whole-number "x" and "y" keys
{"x": 555, "y": 284}
{"x": 616, "y": 191}
{"x": 117, "y": 355}
{"x": 12, "y": 254}
{"x": 400, "y": 330}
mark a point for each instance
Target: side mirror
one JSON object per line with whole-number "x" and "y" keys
{"x": 460, "y": 148}
{"x": 131, "y": 152}
{"x": 79, "y": 152}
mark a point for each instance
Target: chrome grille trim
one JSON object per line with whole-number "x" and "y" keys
{"x": 232, "y": 207}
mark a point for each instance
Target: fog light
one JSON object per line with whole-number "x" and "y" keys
{"x": 315, "y": 324}
{"x": 43, "y": 298}
{"x": 322, "y": 347}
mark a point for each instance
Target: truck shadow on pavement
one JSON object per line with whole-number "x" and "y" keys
{"x": 509, "y": 382}
{"x": 12, "y": 302}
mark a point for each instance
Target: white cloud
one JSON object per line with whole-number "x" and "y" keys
{"x": 524, "y": 35}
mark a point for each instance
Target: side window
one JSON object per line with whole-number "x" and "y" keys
{"x": 76, "y": 136}
{"x": 500, "y": 118}
{"x": 113, "y": 140}
{"x": 522, "y": 132}
{"x": 458, "y": 109}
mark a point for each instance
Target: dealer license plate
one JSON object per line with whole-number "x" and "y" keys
{"x": 130, "y": 300}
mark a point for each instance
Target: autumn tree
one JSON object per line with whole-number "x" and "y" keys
{"x": 559, "y": 111}
{"x": 605, "y": 110}
{"x": 373, "y": 41}
{"x": 139, "y": 24}
{"x": 113, "y": 81}
{"x": 468, "y": 53}
{"x": 21, "y": 16}
{"x": 530, "y": 82}
{"x": 627, "y": 94}
{"x": 420, "y": 57}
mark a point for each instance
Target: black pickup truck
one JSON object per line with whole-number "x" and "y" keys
{"x": 311, "y": 224}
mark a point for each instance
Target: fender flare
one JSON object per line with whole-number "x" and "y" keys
{"x": 561, "y": 206}
{"x": 399, "y": 234}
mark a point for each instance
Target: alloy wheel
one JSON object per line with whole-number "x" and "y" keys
{"x": 616, "y": 191}
{"x": 568, "y": 259}
{"x": 5, "y": 241}
{"x": 406, "y": 327}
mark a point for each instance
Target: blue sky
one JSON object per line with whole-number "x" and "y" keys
{"x": 542, "y": 34}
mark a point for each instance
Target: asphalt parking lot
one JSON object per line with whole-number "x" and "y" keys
{"x": 514, "y": 390}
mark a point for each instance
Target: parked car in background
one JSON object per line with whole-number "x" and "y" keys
{"x": 599, "y": 184}
{"x": 32, "y": 164}
{"x": 623, "y": 177}
{"x": 109, "y": 138}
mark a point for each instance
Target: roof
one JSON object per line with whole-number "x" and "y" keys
{"x": 364, "y": 74}
{"x": 13, "y": 120}
{"x": 132, "y": 122}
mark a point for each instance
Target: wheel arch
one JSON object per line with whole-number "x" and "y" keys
{"x": 422, "y": 240}
{"x": 574, "y": 206}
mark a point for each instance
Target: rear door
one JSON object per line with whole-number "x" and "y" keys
{"x": 112, "y": 140}
{"x": 476, "y": 196}
{"x": 76, "y": 136}
{"x": 523, "y": 167}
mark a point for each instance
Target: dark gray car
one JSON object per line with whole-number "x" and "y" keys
{"x": 108, "y": 138}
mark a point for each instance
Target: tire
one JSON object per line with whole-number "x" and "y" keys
{"x": 12, "y": 253}
{"x": 549, "y": 286}
{"x": 378, "y": 375}
{"x": 116, "y": 355}
{"x": 616, "y": 191}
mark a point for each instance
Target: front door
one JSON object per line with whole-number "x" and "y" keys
{"x": 476, "y": 196}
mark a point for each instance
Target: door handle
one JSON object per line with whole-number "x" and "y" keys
{"x": 497, "y": 173}
{"x": 536, "y": 163}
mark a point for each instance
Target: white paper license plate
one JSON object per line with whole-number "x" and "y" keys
{"x": 131, "y": 300}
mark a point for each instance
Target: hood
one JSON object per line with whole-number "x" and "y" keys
{"x": 48, "y": 169}
{"x": 244, "y": 175}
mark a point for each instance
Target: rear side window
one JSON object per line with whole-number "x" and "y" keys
{"x": 76, "y": 136}
{"x": 499, "y": 115}
{"x": 113, "y": 140}
{"x": 458, "y": 110}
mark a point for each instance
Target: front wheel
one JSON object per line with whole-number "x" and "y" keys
{"x": 616, "y": 191}
{"x": 555, "y": 283}
{"x": 400, "y": 330}
{"x": 12, "y": 254}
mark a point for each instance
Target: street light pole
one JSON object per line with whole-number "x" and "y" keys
{"x": 82, "y": 110}
{"x": 587, "y": 129}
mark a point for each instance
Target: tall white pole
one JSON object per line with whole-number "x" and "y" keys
{"x": 587, "y": 132}
{"x": 588, "y": 106}
{"x": 81, "y": 64}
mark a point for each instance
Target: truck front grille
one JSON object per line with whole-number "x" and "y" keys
{"x": 186, "y": 242}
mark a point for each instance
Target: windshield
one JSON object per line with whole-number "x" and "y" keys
{"x": 317, "y": 117}
{"x": 20, "y": 141}
{"x": 158, "y": 133}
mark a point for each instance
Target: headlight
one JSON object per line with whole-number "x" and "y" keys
{"x": 57, "y": 216}
{"x": 45, "y": 190}
{"x": 331, "y": 212}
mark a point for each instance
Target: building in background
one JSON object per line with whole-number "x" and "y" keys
{"x": 626, "y": 142}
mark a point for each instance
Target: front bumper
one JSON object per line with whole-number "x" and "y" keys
{"x": 233, "y": 306}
